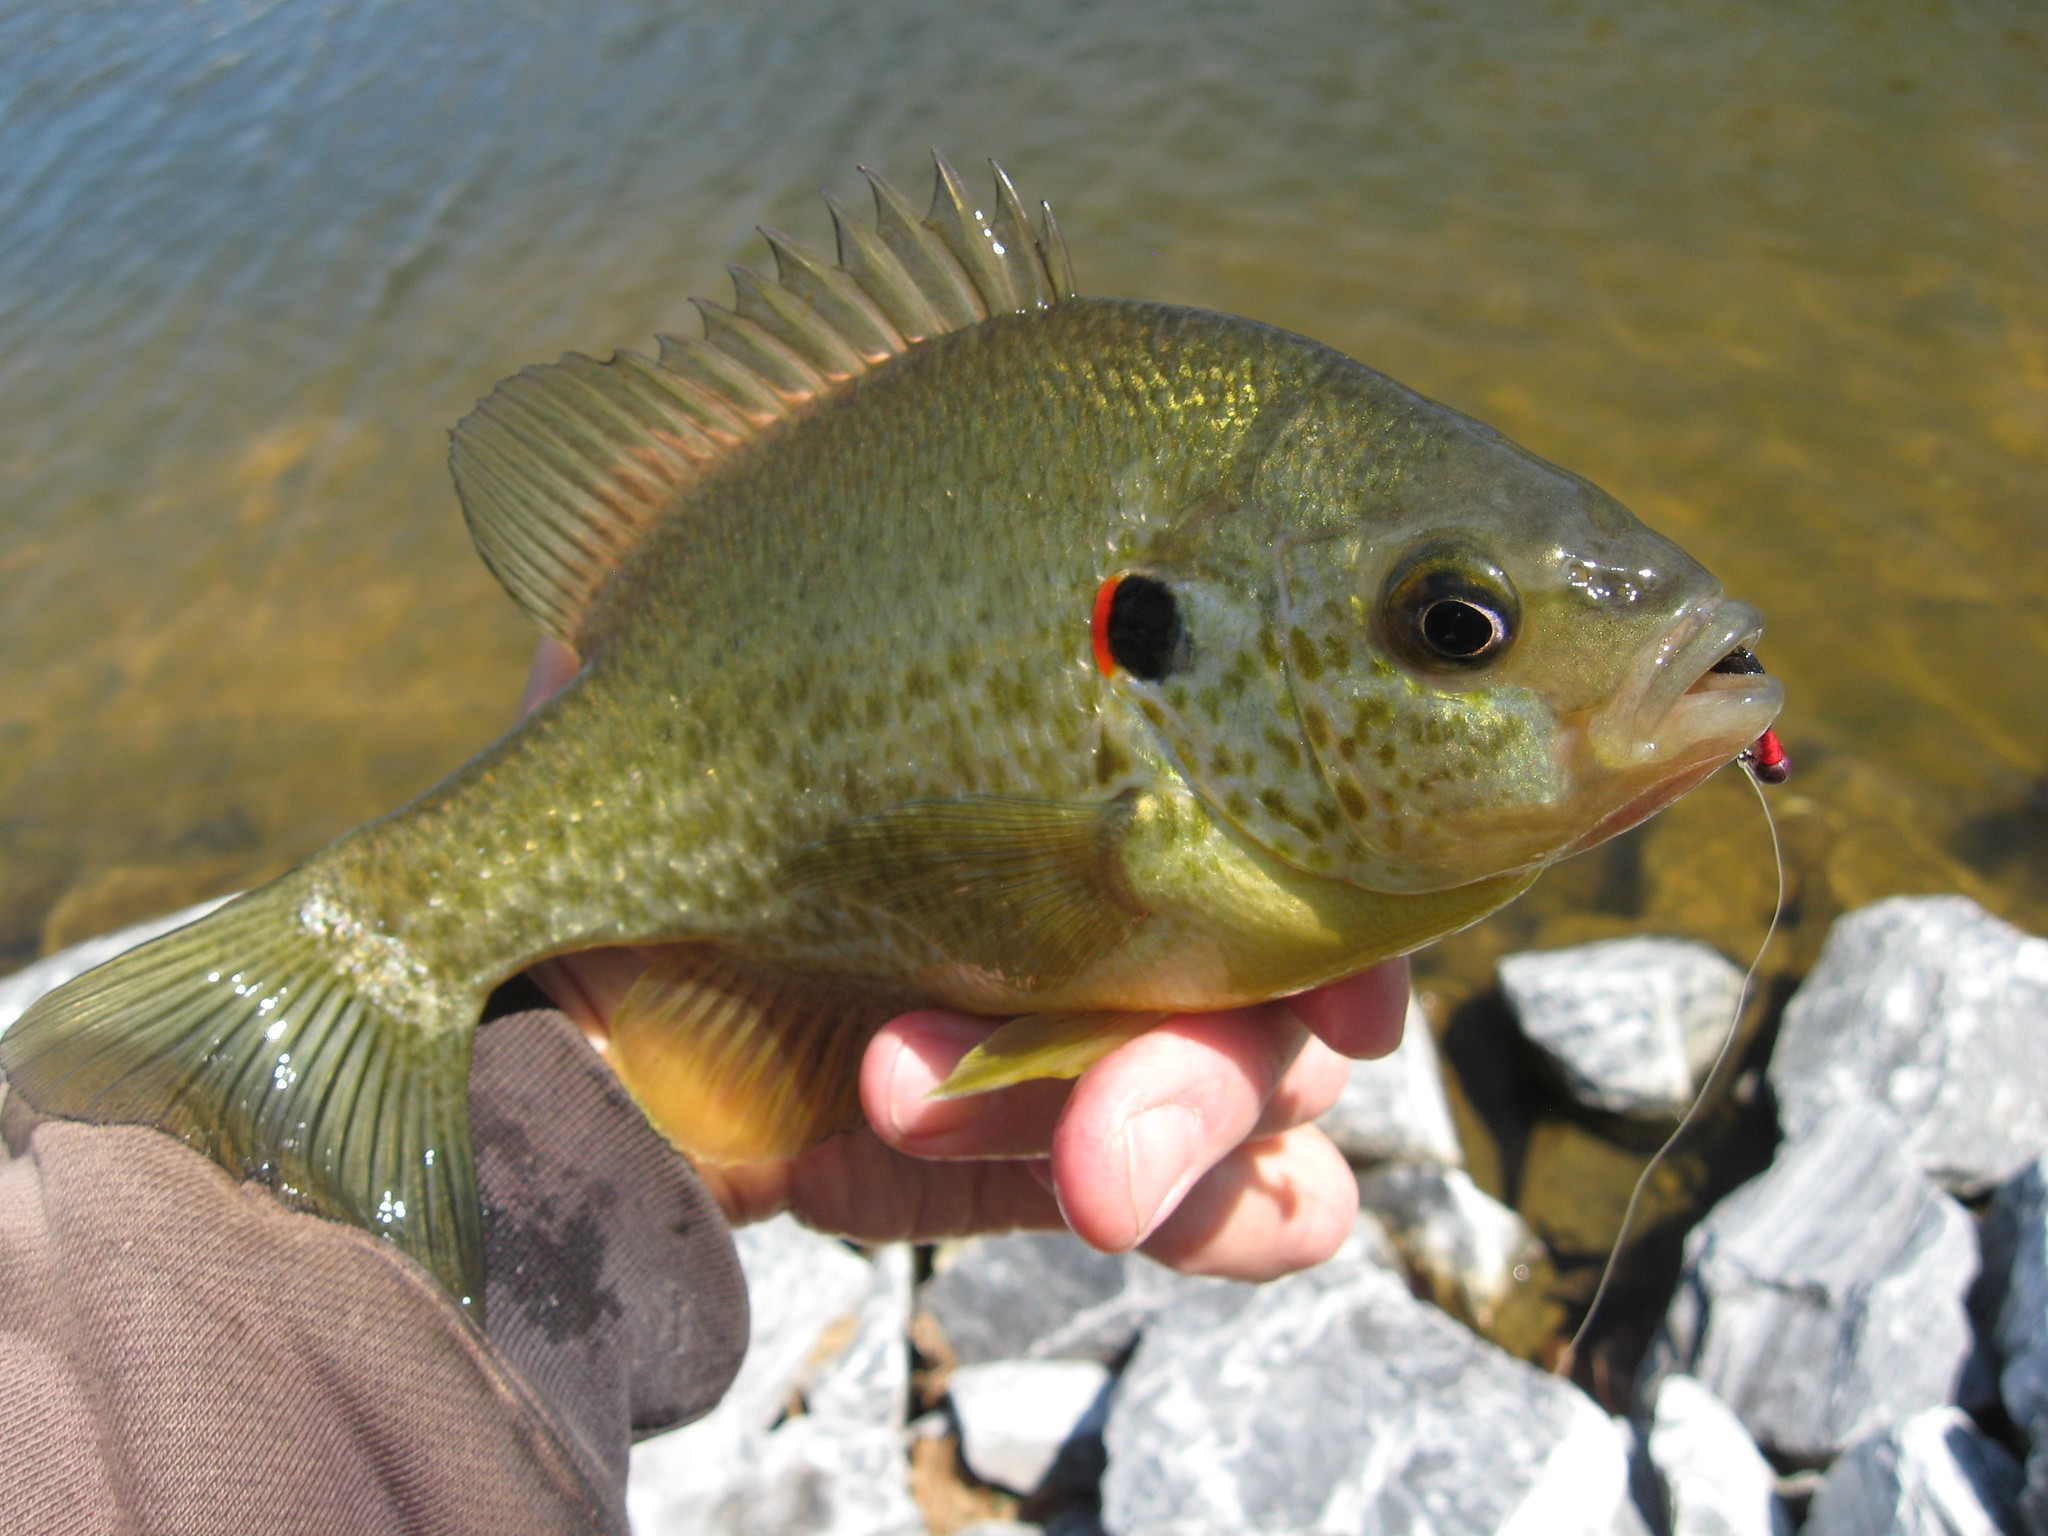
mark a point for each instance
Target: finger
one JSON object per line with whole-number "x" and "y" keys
{"x": 1361, "y": 1015}
{"x": 1148, "y": 1120}
{"x": 1271, "y": 1207}
{"x": 912, "y": 1055}
{"x": 855, "y": 1186}
{"x": 1310, "y": 1086}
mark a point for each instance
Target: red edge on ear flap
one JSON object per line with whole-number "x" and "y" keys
{"x": 1099, "y": 632}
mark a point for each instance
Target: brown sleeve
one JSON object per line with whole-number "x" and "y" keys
{"x": 180, "y": 1354}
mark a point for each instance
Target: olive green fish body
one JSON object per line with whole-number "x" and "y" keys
{"x": 945, "y": 639}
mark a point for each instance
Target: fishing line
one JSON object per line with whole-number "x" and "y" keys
{"x": 1713, "y": 1077}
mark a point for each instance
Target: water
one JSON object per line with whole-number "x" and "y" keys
{"x": 1776, "y": 275}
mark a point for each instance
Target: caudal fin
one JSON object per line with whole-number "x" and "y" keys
{"x": 247, "y": 1035}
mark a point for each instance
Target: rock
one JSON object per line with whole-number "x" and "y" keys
{"x": 1935, "y": 1474}
{"x": 52, "y": 971}
{"x": 811, "y": 1477}
{"x": 1712, "y": 1480}
{"x": 799, "y": 1286}
{"x": 1333, "y": 1400}
{"x": 1824, "y": 1299}
{"x": 1027, "y": 1425}
{"x": 1633, "y": 1025}
{"x": 1474, "y": 1255}
{"x": 1394, "y": 1108}
{"x": 868, "y": 1381}
{"x": 1046, "y": 1296}
{"x": 2014, "y": 1301}
{"x": 1933, "y": 1006}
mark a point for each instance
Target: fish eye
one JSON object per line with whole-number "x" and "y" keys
{"x": 1447, "y": 607}
{"x": 1138, "y": 628}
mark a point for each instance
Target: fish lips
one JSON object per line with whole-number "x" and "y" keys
{"x": 1676, "y": 710}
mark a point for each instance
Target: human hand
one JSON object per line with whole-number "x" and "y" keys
{"x": 1192, "y": 1142}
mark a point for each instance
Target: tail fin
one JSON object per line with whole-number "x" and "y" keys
{"x": 248, "y": 1034}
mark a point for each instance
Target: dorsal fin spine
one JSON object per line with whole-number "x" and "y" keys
{"x": 794, "y": 321}
{"x": 875, "y": 267}
{"x": 967, "y": 231}
{"x": 931, "y": 265}
{"x": 562, "y": 469}
{"x": 777, "y": 364}
{"x": 840, "y": 303}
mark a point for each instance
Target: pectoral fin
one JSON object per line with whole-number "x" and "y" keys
{"x": 733, "y": 1061}
{"x": 1042, "y": 1045}
{"x": 1030, "y": 891}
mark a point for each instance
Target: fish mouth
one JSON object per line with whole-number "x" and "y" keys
{"x": 1699, "y": 692}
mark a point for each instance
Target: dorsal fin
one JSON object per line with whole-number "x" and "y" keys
{"x": 563, "y": 467}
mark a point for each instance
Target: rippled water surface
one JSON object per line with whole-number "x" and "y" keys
{"x": 1776, "y": 275}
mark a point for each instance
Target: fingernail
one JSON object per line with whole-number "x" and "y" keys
{"x": 1162, "y": 1146}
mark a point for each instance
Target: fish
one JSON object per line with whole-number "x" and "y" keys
{"x": 946, "y": 638}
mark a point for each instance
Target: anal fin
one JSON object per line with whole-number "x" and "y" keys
{"x": 1042, "y": 1045}
{"x": 734, "y": 1061}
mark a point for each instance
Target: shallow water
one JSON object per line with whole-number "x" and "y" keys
{"x": 1775, "y": 275}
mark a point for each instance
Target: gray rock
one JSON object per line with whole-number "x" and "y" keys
{"x": 1027, "y": 1425}
{"x": 24, "y": 986}
{"x": 1633, "y": 1025}
{"x": 1465, "y": 1246}
{"x": 1935, "y": 1007}
{"x": 1046, "y": 1296}
{"x": 1935, "y": 1474}
{"x": 1335, "y": 1401}
{"x": 2014, "y": 1302}
{"x": 1712, "y": 1479}
{"x": 1824, "y": 1299}
{"x": 1394, "y": 1108}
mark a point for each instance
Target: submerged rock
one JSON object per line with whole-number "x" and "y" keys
{"x": 1477, "y": 1258}
{"x": 1936, "y": 1474}
{"x": 1930, "y": 1005}
{"x": 1394, "y": 1108}
{"x": 1028, "y": 1425}
{"x": 1632, "y": 1025}
{"x": 1824, "y": 1299}
{"x": 1712, "y": 1480}
{"x": 1333, "y": 1400}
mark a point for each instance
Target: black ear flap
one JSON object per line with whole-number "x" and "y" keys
{"x": 1140, "y": 629}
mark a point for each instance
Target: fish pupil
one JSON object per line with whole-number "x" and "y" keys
{"x": 1460, "y": 631}
{"x": 1146, "y": 637}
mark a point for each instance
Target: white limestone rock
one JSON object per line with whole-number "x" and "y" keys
{"x": 1633, "y": 1025}
{"x": 1824, "y": 1299}
{"x": 1027, "y": 1425}
{"x": 1335, "y": 1401}
{"x": 811, "y": 1477}
{"x": 1394, "y": 1108}
{"x": 868, "y": 1381}
{"x": 1936, "y": 1008}
{"x": 1935, "y": 1474}
{"x": 1470, "y": 1250}
{"x": 1712, "y": 1479}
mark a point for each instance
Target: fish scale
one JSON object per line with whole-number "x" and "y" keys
{"x": 946, "y": 639}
